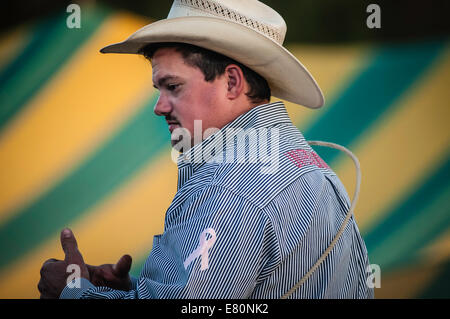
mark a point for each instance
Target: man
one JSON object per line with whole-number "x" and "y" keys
{"x": 256, "y": 207}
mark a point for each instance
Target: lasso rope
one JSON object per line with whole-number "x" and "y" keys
{"x": 347, "y": 218}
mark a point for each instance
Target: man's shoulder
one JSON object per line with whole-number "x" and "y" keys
{"x": 263, "y": 180}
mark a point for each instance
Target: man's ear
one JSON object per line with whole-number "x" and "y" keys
{"x": 235, "y": 81}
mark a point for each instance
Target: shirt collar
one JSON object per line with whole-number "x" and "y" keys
{"x": 265, "y": 115}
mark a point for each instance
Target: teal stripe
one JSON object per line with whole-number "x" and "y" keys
{"x": 35, "y": 35}
{"x": 404, "y": 248}
{"x": 392, "y": 71}
{"x": 40, "y": 35}
{"x": 119, "y": 160}
{"x": 440, "y": 287}
{"x": 138, "y": 265}
{"x": 414, "y": 223}
{"x": 51, "y": 46}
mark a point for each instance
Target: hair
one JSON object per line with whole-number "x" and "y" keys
{"x": 212, "y": 65}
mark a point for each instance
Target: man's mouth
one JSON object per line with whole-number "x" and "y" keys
{"x": 172, "y": 125}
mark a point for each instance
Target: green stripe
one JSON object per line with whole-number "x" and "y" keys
{"x": 40, "y": 35}
{"x": 405, "y": 246}
{"x": 440, "y": 287}
{"x": 393, "y": 70}
{"x": 119, "y": 160}
{"x": 138, "y": 265}
{"x": 28, "y": 35}
{"x": 51, "y": 46}
{"x": 413, "y": 224}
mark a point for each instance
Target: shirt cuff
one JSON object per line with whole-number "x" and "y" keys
{"x": 76, "y": 292}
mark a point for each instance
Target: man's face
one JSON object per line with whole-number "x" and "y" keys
{"x": 185, "y": 96}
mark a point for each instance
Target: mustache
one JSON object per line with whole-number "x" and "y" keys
{"x": 171, "y": 119}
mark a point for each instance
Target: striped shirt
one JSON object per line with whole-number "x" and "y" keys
{"x": 249, "y": 222}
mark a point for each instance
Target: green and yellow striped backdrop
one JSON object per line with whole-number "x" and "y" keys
{"x": 81, "y": 147}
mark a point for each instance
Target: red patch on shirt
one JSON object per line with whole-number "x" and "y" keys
{"x": 303, "y": 158}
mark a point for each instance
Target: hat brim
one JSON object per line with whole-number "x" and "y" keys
{"x": 287, "y": 77}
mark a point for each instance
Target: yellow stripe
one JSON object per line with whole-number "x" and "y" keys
{"x": 439, "y": 250}
{"x": 333, "y": 67}
{"x": 81, "y": 106}
{"x": 124, "y": 223}
{"x": 407, "y": 282}
{"x": 404, "y": 147}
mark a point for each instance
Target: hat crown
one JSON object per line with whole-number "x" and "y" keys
{"x": 252, "y": 14}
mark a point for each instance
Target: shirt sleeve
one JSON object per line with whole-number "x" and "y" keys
{"x": 215, "y": 245}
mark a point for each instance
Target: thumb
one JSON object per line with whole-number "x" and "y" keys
{"x": 122, "y": 267}
{"x": 70, "y": 247}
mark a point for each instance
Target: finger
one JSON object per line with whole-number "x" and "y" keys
{"x": 91, "y": 268}
{"x": 43, "y": 289}
{"x": 94, "y": 273}
{"x": 45, "y": 265}
{"x": 51, "y": 260}
{"x": 70, "y": 247}
{"x": 41, "y": 286}
{"x": 123, "y": 266}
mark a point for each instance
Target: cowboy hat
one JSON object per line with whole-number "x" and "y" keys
{"x": 247, "y": 31}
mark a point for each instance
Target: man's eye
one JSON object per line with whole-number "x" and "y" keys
{"x": 172, "y": 87}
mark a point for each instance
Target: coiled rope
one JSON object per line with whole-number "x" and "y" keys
{"x": 347, "y": 218}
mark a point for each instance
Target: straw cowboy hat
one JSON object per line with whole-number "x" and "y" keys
{"x": 247, "y": 31}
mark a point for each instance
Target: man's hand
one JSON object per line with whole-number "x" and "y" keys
{"x": 54, "y": 272}
{"x": 113, "y": 276}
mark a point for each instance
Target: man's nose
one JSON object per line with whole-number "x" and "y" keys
{"x": 162, "y": 106}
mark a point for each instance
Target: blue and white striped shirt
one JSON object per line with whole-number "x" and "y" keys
{"x": 254, "y": 228}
